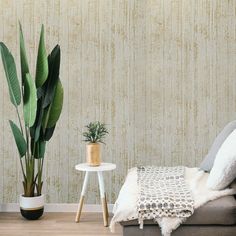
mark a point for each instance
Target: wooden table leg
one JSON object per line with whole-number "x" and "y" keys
{"x": 106, "y": 209}
{"x": 78, "y": 214}
{"x": 81, "y": 202}
{"x": 103, "y": 198}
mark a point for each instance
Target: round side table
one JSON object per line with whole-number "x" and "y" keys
{"x": 99, "y": 169}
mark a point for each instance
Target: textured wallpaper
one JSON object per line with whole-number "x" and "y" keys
{"x": 160, "y": 74}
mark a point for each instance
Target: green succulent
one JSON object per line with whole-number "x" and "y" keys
{"x": 96, "y": 132}
{"x": 42, "y": 105}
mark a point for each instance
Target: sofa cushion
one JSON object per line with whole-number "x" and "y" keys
{"x": 218, "y": 212}
{"x": 223, "y": 171}
{"x": 208, "y": 161}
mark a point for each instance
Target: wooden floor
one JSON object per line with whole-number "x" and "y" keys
{"x": 58, "y": 224}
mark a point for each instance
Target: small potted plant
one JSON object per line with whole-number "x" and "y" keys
{"x": 38, "y": 99}
{"x": 94, "y": 135}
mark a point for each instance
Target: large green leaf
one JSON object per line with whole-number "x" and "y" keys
{"x": 52, "y": 113}
{"x": 56, "y": 106}
{"x": 19, "y": 139}
{"x": 40, "y": 149}
{"x": 42, "y": 62}
{"x": 30, "y": 101}
{"x": 53, "y": 76}
{"x": 36, "y": 128}
{"x": 11, "y": 75}
{"x": 23, "y": 57}
{"x": 48, "y": 133}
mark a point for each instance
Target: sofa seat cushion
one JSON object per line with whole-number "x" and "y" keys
{"x": 218, "y": 212}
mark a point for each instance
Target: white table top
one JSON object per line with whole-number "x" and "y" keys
{"x": 102, "y": 167}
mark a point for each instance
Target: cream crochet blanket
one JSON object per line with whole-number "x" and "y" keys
{"x": 125, "y": 207}
{"x": 163, "y": 192}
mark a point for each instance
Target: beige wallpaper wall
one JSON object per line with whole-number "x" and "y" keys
{"x": 161, "y": 74}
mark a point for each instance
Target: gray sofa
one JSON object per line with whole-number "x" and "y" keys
{"x": 216, "y": 218}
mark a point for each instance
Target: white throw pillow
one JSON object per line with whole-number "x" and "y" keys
{"x": 224, "y": 168}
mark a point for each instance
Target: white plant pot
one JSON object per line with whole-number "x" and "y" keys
{"x": 32, "y": 208}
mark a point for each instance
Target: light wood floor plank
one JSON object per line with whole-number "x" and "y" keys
{"x": 59, "y": 224}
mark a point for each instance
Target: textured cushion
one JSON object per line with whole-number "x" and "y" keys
{"x": 218, "y": 212}
{"x": 208, "y": 162}
{"x": 223, "y": 171}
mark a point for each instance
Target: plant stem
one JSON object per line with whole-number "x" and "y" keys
{"x": 27, "y": 141}
{"x": 22, "y": 168}
{"x": 25, "y": 174}
{"x": 40, "y": 171}
{"x": 39, "y": 175}
{"x": 18, "y": 115}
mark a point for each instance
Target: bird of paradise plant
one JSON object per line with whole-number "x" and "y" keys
{"x": 42, "y": 104}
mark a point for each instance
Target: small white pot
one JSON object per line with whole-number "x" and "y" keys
{"x": 32, "y": 207}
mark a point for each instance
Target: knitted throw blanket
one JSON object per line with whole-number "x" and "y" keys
{"x": 163, "y": 193}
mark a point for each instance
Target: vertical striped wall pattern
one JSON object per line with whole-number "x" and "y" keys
{"x": 160, "y": 73}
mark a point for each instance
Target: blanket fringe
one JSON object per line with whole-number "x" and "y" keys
{"x": 112, "y": 226}
{"x": 140, "y": 221}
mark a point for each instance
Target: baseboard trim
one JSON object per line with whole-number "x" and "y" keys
{"x": 57, "y": 207}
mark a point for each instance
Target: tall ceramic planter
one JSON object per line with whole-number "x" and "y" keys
{"x": 93, "y": 154}
{"x": 32, "y": 208}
